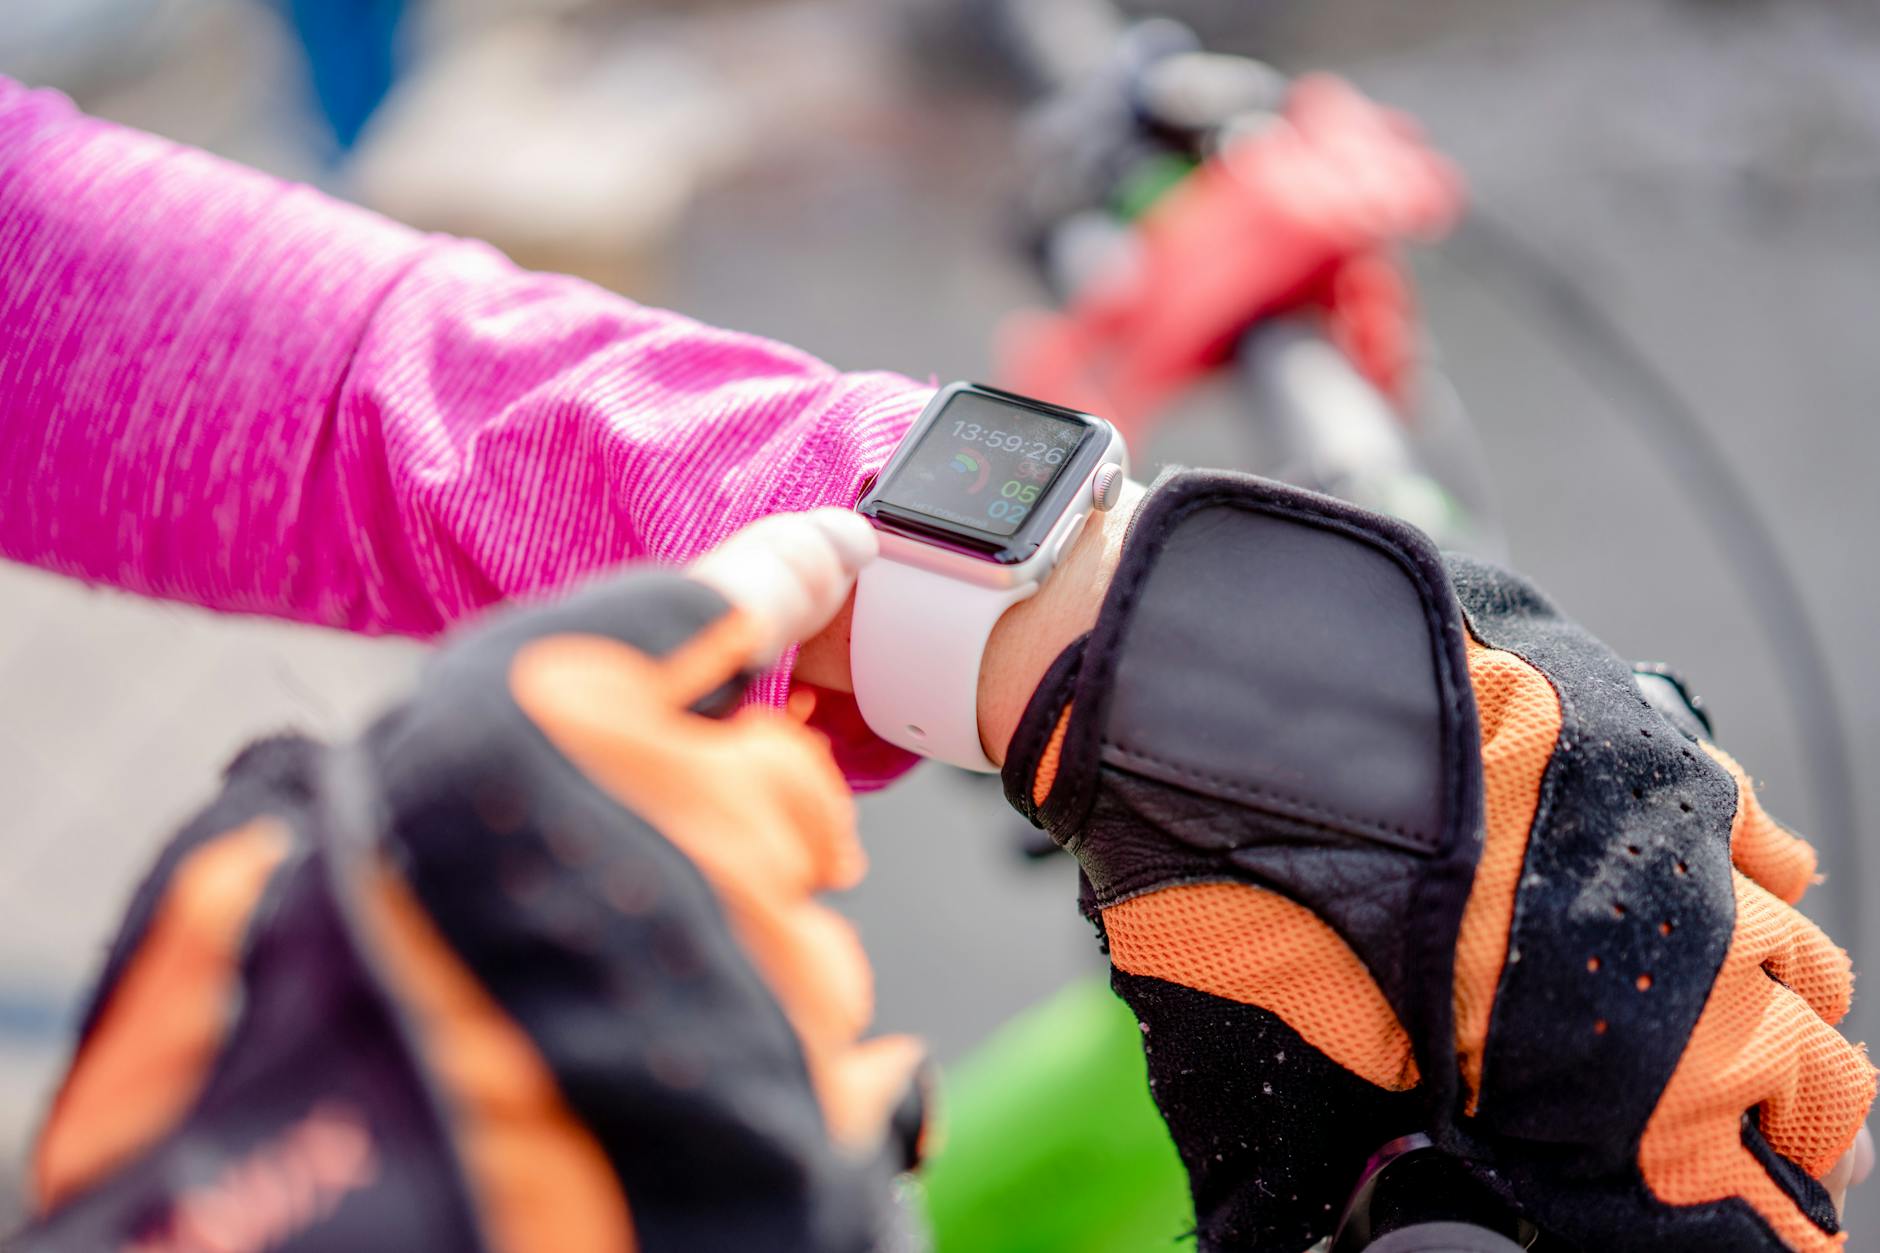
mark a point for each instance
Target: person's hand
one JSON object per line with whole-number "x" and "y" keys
{"x": 1380, "y": 844}
{"x": 536, "y": 963}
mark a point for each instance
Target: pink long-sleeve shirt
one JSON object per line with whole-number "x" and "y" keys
{"x": 225, "y": 389}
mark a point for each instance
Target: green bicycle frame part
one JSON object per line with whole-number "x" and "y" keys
{"x": 1050, "y": 1140}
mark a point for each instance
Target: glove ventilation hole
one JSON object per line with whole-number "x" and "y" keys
{"x": 1599, "y": 1026}
{"x": 1592, "y": 965}
{"x": 1681, "y": 869}
{"x": 1643, "y": 983}
{"x": 1618, "y": 909}
{"x": 1665, "y": 927}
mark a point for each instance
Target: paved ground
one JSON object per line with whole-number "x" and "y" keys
{"x": 1710, "y": 172}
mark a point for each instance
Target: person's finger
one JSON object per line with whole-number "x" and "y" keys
{"x": 1850, "y": 1171}
{"x": 863, "y": 1084}
{"x": 1813, "y": 1118}
{"x": 853, "y": 538}
{"x": 1759, "y": 845}
{"x": 1812, "y": 1086}
{"x": 789, "y": 572}
{"x": 1795, "y": 951}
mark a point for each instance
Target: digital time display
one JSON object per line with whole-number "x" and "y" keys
{"x": 985, "y": 464}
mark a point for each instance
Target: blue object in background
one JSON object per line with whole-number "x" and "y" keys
{"x": 352, "y": 57}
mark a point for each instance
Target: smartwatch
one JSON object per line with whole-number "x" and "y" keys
{"x": 980, "y": 500}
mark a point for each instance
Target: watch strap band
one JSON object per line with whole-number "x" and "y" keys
{"x": 918, "y": 640}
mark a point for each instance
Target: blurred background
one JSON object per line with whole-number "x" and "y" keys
{"x": 844, "y": 175}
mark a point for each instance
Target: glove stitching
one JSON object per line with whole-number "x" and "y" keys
{"x": 1523, "y": 919}
{"x": 1359, "y": 826}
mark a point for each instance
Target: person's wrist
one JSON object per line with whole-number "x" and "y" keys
{"x": 1025, "y": 641}
{"x": 1033, "y": 632}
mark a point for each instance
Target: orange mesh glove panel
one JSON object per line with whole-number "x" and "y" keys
{"x": 644, "y": 908}
{"x": 757, "y": 804}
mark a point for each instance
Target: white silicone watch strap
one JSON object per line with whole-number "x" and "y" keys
{"x": 918, "y": 638}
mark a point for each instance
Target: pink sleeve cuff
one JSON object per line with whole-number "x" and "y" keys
{"x": 220, "y": 388}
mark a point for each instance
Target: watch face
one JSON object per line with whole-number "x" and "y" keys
{"x": 980, "y": 470}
